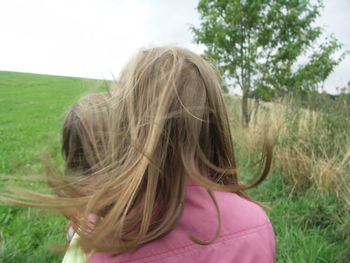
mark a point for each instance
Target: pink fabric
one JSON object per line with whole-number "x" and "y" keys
{"x": 246, "y": 234}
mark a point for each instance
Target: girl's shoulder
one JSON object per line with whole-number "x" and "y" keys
{"x": 245, "y": 227}
{"x": 246, "y": 233}
{"x": 239, "y": 213}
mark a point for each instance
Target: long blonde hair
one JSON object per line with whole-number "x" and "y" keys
{"x": 166, "y": 123}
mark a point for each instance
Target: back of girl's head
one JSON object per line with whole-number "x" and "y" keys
{"x": 84, "y": 135}
{"x": 172, "y": 114}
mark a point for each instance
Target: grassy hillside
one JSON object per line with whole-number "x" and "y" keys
{"x": 31, "y": 112}
{"x": 310, "y": 225}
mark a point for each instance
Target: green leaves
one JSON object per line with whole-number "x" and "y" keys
{"x": 259, "y": 43}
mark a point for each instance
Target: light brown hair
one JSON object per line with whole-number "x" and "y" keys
{"x": 167, "y": 122}
{"x": 84, "y": 134}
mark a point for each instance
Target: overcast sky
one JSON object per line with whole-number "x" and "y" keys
{"x": 95, "y": 38}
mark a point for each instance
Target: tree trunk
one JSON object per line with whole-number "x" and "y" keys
{"x": 245, "y": 109}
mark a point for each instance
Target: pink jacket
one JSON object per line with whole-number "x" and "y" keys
{"x": 246, "y": 234}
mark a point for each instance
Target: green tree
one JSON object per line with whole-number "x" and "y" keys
{"x": 270, "y": 47}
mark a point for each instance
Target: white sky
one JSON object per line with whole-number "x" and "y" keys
{"x": 95, "y": 38}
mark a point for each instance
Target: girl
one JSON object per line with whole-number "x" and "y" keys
{"x": 84, "y": 146}
{"x": 165, "y": 185}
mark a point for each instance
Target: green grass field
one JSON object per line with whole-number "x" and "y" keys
{"x": 32, "y": 108}
{"x": 31, "y": 112}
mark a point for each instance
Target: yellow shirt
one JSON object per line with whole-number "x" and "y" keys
{"x": 74, "y": 253}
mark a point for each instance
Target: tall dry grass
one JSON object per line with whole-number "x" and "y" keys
{"x": 312, "y": 151}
